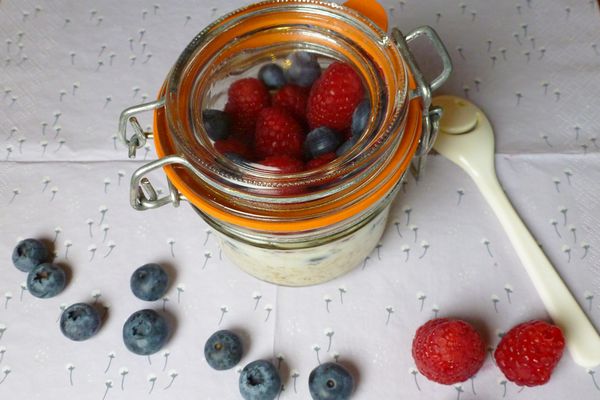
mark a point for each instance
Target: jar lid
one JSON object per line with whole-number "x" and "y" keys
{"x": 260, "y": 199}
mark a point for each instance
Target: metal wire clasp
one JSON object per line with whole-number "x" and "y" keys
{"x": 431, "y": 115}
{"x": 142, "y": 194}
{"x": 139, "y": 137}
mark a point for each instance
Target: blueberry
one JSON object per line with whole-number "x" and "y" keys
{"x": 346, "y": 146}
{"x": 29, "y": 253}
{"x": 149, "y": 282}
{"x": 272, "y": 76}
{"x": 217, "y": 124}
{"x": 259, "y": 380}
{"x": 46, "y": 280}
{"x": 303, "y": 68}
{"x": 145, "y": 332}
{"x": 320, "y": 141}
{"x": 223, "y": 350}
{"x": 330, "y": 381}
{"x": 360, "y": 117}
{"x": 80, "y": 321}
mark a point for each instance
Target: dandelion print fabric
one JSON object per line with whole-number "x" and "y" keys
{"x": 68, "y": 69}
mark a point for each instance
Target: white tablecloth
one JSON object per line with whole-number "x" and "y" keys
{"x": 67, "y": 69}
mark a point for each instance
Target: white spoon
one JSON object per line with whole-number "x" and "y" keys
{"x": 466, "y": 139}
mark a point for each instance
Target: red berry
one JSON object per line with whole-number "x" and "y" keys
{"x": 528, "y": 353}
{"x": 278, "y": 133}
{"x": 333, "y": 97}
{"x": 246, "y": 98}
{"x": 448, "y": 351}
{"x": 284, "y": 164}
{"x": 235, "y": 146}
{"x": 293, "y": 98}
{"x": 320, "y": 160}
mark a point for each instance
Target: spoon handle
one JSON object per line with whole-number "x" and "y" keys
{"x": 581, "y": 337}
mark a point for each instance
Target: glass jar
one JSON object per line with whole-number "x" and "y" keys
{"x": 297, "y": 228}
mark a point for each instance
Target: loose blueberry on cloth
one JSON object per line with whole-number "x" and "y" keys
{"x": 223, "y": 350}
{"x": 149, "y": 282}
{"x": 259, "y": 380}
{"x": 145, "y": 332}
{"x": 80, "y": 321}
{"x": 46, "y": 280}
{"x": 330, "y": 381}
{"x": 29, "y": 253}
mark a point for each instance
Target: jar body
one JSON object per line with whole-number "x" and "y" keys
{"x": 310, "y": 260}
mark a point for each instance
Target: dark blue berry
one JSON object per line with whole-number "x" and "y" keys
{"x": 272, "y": 76}
{"x": 320, "y": 141}
{"x": 217, "y": 124}
{"x": 29, "y": 253}
{"x": 330, "y": 381}
{"x": 259, "y": 380}
{"x": 80, "y": 321}
{"x": 360, "y": 117}
{"x": 149, "y": 282}
{"x": 145, "y": 332}
{"x": 46, "y": 280}
{"x": 303, "y": 68}
{"x": 223, "y": 350}
{"x": 346, "y": 146}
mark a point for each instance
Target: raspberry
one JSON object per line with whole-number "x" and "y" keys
{"x": 528, "y": 353}
{"x": 234, "y": 146}
{"x": 293, "y": 98}
{"x": 278, "y": 133}
{"x": 246, "y": 98}
{"x": 333, "y": 97}
{"x": 320, "y": 160}
{"x": 448, "y": 351}
{"x": 284, "y": 164}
